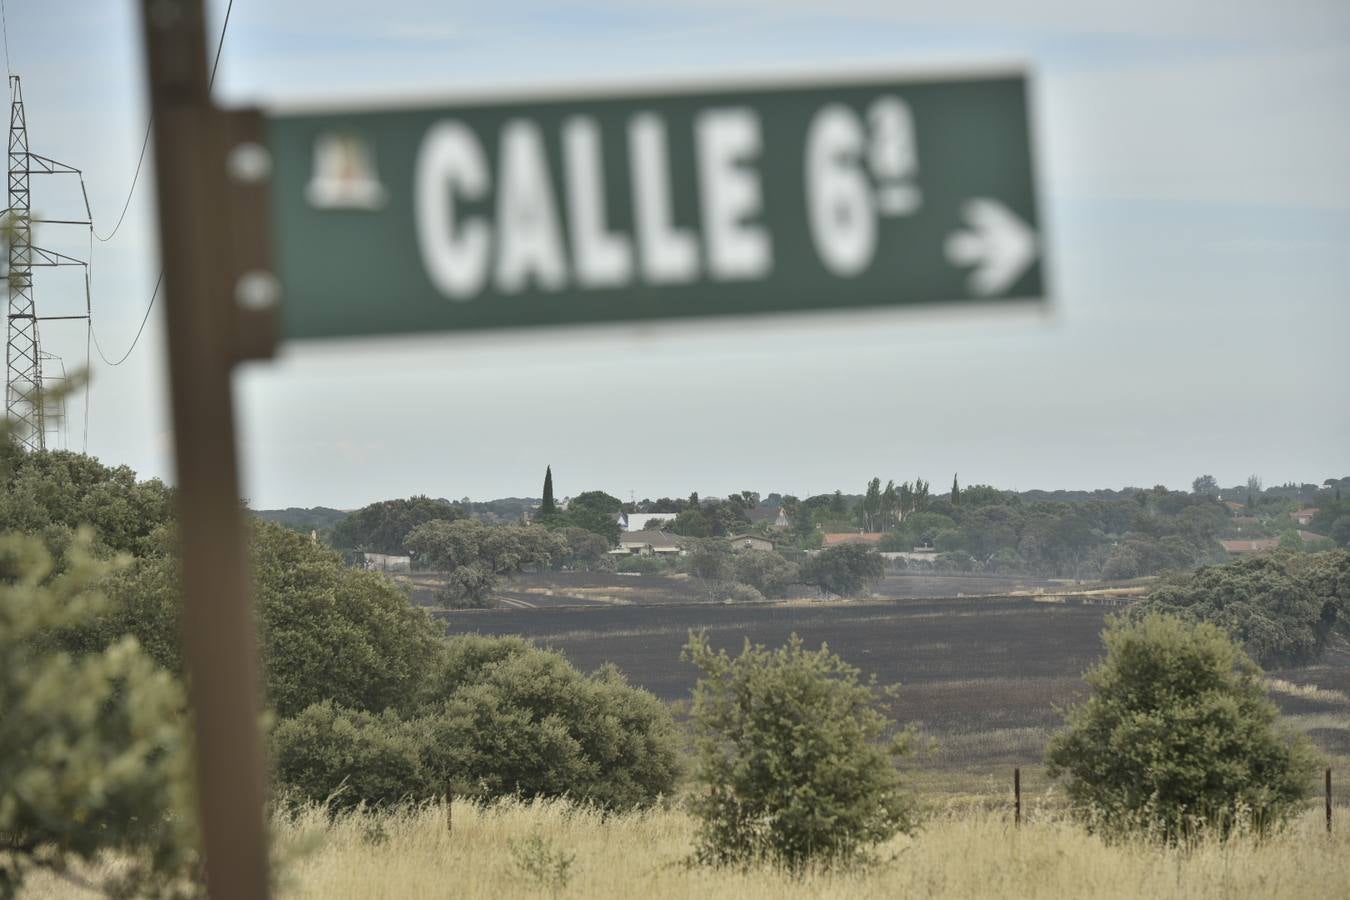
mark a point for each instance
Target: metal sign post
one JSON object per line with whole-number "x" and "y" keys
{"x": 217, "y": 312}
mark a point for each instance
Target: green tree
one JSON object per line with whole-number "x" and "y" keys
{"x": 50, "y": 494}
{"x": 1178, "y": 735}
{"x": 764, "y": 570}
{"x": 1205, "y": 485}
{"x": 349, "y": 757}
{"x": 506, "y": 718}
{"x": 475, "y": 557}
{"x": 1340, "y": 531}
{"x": 1282, "y": 607}
{"x": 382, "y": 527}
{"x": 328, "y": 632}
{"x": 956, "y": 492}
{"x": 548, "y": 509}
{"x": 596, "y": 511}
{"x": 585, "y": 549}
{"x": 846, "y": 570}
{"x": 94, "y": 752}
{"x": 691, "y": 523}
{"x": 790, "y": 758}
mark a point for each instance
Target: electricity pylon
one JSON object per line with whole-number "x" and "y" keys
{"x": 25, "y": 406}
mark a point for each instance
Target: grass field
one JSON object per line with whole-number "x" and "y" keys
{"x": 981, "y": 677}
{"x": 515, "y": 850}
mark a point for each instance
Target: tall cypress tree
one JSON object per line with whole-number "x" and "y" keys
{"x": 956, "y": 492}
{"x": 549, "y": 508}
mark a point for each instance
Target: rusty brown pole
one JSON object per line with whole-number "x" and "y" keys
{"x": 1328, "y": 800}
{"x": 1017, "y": 798}
{"x": 197, "y": 238}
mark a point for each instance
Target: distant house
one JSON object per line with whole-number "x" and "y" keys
{"x": 649, "y": 543}
{"x": 385, "y": 562}
{"x": 750, "y": 542}
{"x": 918, "y": 554}
{"x": 1304, "y": 516}
{"x": 1243, "y": 548}
{"x": 638, "y": 521}
{"x": 1235, "y": 508}
{"x": 852, "y": 537}
{"x": 1312, "y": 537}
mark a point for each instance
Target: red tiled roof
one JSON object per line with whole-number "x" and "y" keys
{"x": 1255, "y": 546}
{"x": 853, "y": 537}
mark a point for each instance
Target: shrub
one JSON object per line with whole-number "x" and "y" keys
{"x": 1177, "y": 735}
{"x": 1282, "y": 607}
{"x": 507, "y": 718}
{"x": 94, "y": 754}
{"x": 846, "y": 570}
{"x": 735, "y": 592}
{"x": 645, "y": 565}
{"x": 468, "y": 587}
{"x": 790, "y": 759}
{"x": 351, "y": 756}
{"x": 955, "y": 561}
{"x": 764, "y": 570}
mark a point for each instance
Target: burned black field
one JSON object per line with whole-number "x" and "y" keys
{"x": 982, "y": 677}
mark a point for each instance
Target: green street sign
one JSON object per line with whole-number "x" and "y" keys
{"x": 655, "y": 204}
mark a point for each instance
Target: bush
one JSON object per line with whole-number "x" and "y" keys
{"x": 954, "y": 561}
{"x": 497, "y": 717}
{"x": 735, "y": 592}
{"x": 94, "y": 752}
{"x": 351, "y": 756}
{"x": 846, "y": 570}
{"x": 764, "y": 570}
{"x": 789, "y": 758}
{"x": 1282, "y": 607}
{"x": 645, "y": 565}
{"x": 507, "y": 718}
{"x": 1178, "y": 735}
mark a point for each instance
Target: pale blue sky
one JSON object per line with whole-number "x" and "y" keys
{"x": 1196, "y": 185}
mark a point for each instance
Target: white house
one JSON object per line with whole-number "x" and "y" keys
{"x": 386, "y": 562}
{"x": 750, "y": 542}
{"x": 638, "y": 521}
{"x": 649, "y": 543}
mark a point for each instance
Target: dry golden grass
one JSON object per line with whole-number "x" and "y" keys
{"x": 963, "y": 851}
{"x": 958, "y": 854}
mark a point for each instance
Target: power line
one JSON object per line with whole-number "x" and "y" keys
{"x": 145, "y": 143}
{"x": 4, "y": 20}
{"x": 220, "y": 44}
{"x": 145, "y": 318}
{"x": 136, "y": 176}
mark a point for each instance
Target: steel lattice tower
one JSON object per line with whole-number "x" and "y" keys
{"x": 23, "y": 362}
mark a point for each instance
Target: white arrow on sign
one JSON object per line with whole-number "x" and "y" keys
{"x": 998, "y": 244}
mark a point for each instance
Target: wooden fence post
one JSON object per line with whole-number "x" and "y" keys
{"x": 1328, "y": 800}
{"x": 449, "y": 809}
{"x": 1017, "y": 798}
